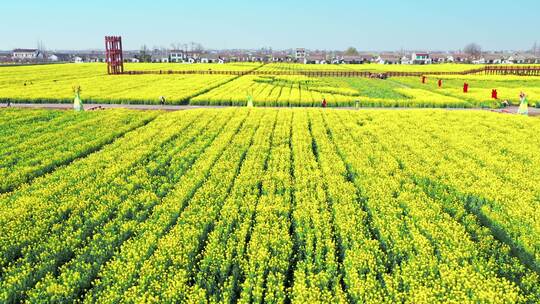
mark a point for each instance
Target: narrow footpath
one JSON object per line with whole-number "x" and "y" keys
{"x": 87, "y": 107}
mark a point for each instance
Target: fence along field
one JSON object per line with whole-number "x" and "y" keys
{"x": 275, "y": 205}
{"x": 272, "y": 86}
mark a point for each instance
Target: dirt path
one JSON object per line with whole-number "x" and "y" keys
{"x": 66, "y": 106}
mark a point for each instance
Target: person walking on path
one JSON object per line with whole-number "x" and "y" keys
{"x": 162, "y": 100}
{"x": 524, "y": 104}
{"x": 77, "y": 102}
{"x": 324, "y": 103}
{"x": 250, "y": 100}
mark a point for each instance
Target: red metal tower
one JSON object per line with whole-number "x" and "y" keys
{"x": 114, "y": 56}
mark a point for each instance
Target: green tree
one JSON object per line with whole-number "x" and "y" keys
{"x": 351, "y": 51}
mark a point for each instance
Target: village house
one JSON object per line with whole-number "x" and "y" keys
{"x": 459, "y": 58}
{"x": 406, "y": 60}
{"x": 515, "y": 59}
{"x": 5, "y": 56}
{"x": 234, "y": 56}
{"x": 421, "y": 58}
{"x": 183, "y": 56}
{"x": 532, "y": 59}
{"x": 491, "y": 59}
{"x": 519, "y": 59}
{"x": 316, "y": 59}
{"x": 351, "y": 59}
{"x": 58, "y": 57}
{"x": 211, "y": 58}
{"x": 300, "y": 55}
{"x": 388, "y": 59}
{"x": 26, "y": 54}
{"x": 281, "y": 57}
{"x": 438, "y": 58}
{"x": 177, "y": 56}
{"x": 481, "y": 60}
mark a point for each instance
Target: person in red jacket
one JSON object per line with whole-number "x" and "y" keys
{"x": 440, "y": 83}
{"x": 494, "y": 94}
{"x": 324, "y": 103}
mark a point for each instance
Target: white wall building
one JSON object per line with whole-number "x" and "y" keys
{"x": 421, "y": 58}
{"x": 177, "y": 56}
{"x": 406, "y": 60}
{"x": 26, "y": 54}
{"x": 300, "y": 55}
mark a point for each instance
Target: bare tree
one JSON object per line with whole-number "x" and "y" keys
{"x": 197, "y": 47}
{"x": 177, "y": 46}
{"x": 163, "y": 51}
{"x": 40, "y": 47}
{"x": 474, "y": 50}
{"x": 144, "y": 54}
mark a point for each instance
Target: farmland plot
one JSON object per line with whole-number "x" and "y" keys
{"x": 279, "y": 205}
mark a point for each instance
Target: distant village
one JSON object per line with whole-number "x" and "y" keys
{"x": 299, "y": 55}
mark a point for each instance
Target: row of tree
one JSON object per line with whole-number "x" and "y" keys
{"x": 474, "y": 50}
{"x": 145, "y": 54}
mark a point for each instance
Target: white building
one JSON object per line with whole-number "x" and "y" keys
{"x": 406, "y": 60}
{"x": 300, "y": 55}
{"x": 421, "y": 58}
{"x": 26, "y": 54}
{"x": 177, "y": 56}
{"x": 388, "y": 59}
{"x": 479, "y": 61}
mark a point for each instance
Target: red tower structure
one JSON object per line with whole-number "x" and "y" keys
{"x": 114, "y": 56}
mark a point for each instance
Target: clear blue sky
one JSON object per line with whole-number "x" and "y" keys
{"x": 372, "y": 25}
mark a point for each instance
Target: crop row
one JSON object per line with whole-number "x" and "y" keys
{"x": 264, "y": 205}
{"x": 31, "y": 148}
{"x": 306, "y": 91}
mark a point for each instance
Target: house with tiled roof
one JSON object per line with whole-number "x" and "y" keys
{"x": 26, "y": 54}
